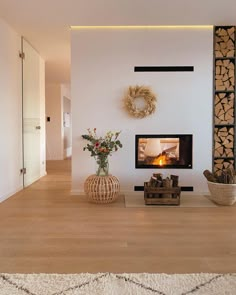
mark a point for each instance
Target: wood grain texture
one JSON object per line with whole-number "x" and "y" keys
{"x": 45, "y": 229}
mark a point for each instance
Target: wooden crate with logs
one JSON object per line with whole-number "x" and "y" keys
{"x": 162, "y": 191}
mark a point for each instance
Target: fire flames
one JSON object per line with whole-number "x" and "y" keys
{"x": 161, "y": 160}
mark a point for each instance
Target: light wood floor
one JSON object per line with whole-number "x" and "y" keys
{"x": 45, "y": 229}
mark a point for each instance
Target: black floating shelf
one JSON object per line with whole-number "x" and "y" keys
{"x": 140, "y": 188}
{"x": 164, "y": 68}
{"x": 225, "y": 57}
{"x": 224, "y": 125}
{"x": 224, "y": 91}
{"x": 224, "y": 27}
{"x": 224, "y": 158}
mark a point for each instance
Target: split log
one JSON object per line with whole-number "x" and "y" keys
{"x": 218, "y": 53}
{"x": 154, "y": 182}
{"x": 209, "y": 176}
{"x": 175, "y": 180}
{"x": 230, "y": 53}
{"x": 230, "y": 31}
{"x": 167, "y": 183}
{"x": 158, "y": 176}
{"x": 219, "y": 62}
{"x": 224, "y": 38}
{"x": 218, "y": 70}
{"x": 221, "y": 32}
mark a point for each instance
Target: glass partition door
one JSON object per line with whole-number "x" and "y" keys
{"x": 31, "y": 113}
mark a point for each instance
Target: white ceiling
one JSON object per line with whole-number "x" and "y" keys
{"x": 45, "y": 23}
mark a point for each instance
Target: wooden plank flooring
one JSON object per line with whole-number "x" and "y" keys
{"x": 45, "y": 229}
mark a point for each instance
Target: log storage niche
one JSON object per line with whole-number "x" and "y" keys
{"x": 224, "y": 98}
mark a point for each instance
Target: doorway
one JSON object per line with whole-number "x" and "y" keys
{"x": 33, "y": 105}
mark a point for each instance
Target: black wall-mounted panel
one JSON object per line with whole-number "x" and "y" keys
{"x": 164, "y": 68}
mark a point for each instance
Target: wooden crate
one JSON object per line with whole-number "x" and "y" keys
{"x": 156, "y": 195}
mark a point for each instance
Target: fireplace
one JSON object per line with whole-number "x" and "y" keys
{"x": 163, "y": 151}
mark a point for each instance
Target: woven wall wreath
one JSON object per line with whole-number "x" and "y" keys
{"x": 143, "y": 92}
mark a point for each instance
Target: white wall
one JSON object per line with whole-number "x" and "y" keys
{"x": 67, "y": 130}
{"x": 55, "y": 94}
{"x": 10, "y": 106}
{"x": 42, "y": 119}
{"x": 54, "y": 134}
{"x": 103, "y": 67}
{"x": 66, "y": 91}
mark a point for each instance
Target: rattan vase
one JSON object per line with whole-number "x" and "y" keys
{"x": 222, "y": 194}
{"x": 102, "y": 189}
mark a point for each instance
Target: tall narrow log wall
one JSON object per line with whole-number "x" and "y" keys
{"x": 224, "y": 98}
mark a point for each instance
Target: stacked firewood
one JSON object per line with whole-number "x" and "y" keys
{"x": 224, "y": 42}
{"x": 224, "y": 77}
{"x": 160, "y": 187}
{"x": 224, "y": 108}
{"x": 157, "y": 180}
{"x": 224, "y": 142}
{"x": 225, "y": 68}
{"x": 227, "y": 176}
{"x": 222, "y": 164}
{"x": 224, "y": 105}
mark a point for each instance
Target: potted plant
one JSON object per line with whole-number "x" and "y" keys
{"x": 102, "y": 147}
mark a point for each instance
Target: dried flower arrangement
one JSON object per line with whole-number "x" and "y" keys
{"x": 148, "y": 96}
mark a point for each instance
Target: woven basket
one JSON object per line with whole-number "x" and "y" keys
{"x": 222, "y": 194}
{"x": 102, "y": 189}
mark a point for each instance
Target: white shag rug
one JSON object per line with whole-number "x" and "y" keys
{"x": 117, "y": 284}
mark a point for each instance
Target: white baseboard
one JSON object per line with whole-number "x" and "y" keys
{"x": 9, "y": 194}
{"x": 36, "y": 179}
{"x": 44, "y": 173}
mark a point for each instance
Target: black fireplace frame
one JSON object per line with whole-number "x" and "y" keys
{"x": 185, "y": 139}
